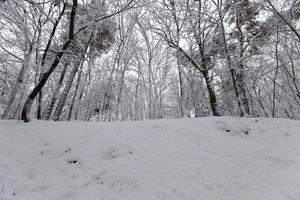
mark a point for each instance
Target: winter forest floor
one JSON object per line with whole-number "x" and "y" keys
{"x": 187, "y": 159}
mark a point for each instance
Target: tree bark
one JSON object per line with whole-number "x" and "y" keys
{"x": 211, "y": 92}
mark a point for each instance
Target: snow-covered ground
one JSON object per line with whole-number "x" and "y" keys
{"x": 189, "y": 159}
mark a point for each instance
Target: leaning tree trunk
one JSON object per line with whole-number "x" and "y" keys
{"x": 75, "y": 94}
{"x": 83, "y": 90}
{"x": 65, "y": 92}
{"x": 79, "y": 102}
{"x": 78, "y": 64}
{"x": 28, "y": 103}
{"x": 56, "y": 91}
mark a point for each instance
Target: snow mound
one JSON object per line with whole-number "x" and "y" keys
{"x": 188, "y": 159}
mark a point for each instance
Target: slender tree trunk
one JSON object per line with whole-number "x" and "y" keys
{"x": 150, "y": 107}
{"x": 181, "y": 90}
{"x": 80, "y": 97}
{"x": 56, "y": 91}
{"x": 39, "y": 106}
{"x": 75, "y": 94}
{"x": 136, "y": 101}
{"x": 63, "y": 97}
{"x": 276, "y": 73}
{"x": 38, "y": 66}
{"x": 119, "y": 95}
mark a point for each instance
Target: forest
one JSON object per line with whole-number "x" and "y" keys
{"x": 98, "y": 60}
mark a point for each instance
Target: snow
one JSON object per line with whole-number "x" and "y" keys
{"x": 215, "y": 158}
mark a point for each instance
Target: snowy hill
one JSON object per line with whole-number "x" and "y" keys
{"x": 188, "y": 159}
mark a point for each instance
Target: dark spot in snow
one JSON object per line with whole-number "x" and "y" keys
{"x": 287, "y": 134}
{"x": 256, "y": 121}
{"x": 42, "y": 152}
{"x": 72, "y": 161}
{"x": 14, "y": 193}
{"x": 130, "y": 152}
{"x": 227, "y": 130}
{"x": 246, "y": 132}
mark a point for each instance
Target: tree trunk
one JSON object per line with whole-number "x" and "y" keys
{"x": 181, "y": 98}
{"x": 80, "y": 97}
{"x": 136, "y": 100}
{"x": 75, "y": 94}
{"x": 56, "y": 91}
{"x": 211, "y": 92}
{"x": 240, "y": 75}
{"x": 39, "y": 106}
{"x": 119, "y": 95}
{"x": 276, "y": 73}
{"x": 65, "y": 92}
